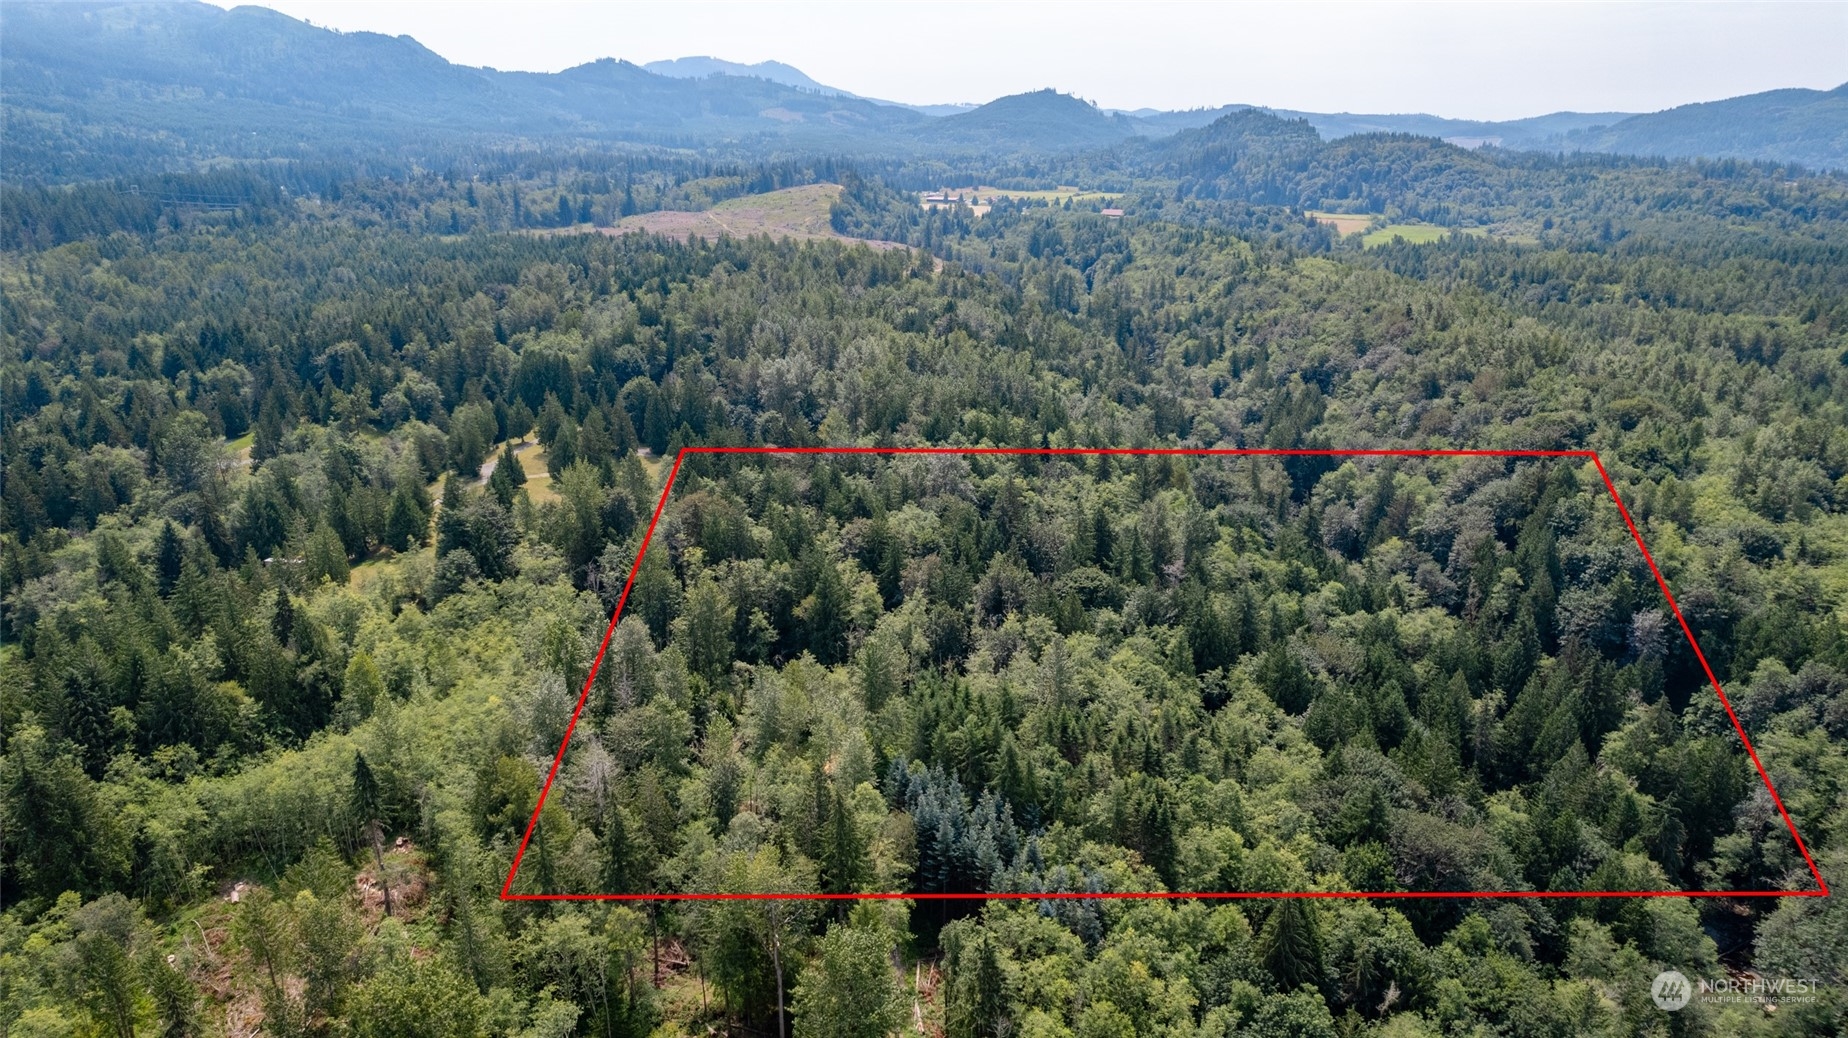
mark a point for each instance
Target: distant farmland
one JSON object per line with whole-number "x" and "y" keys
{"x": 1343, "y": 223}
{"x": 1413, "y": 233}
{"x": 793, "y": 212}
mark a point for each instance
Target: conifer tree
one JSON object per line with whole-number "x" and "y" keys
{"x": 1290, "y": 945}
{"x": 977, "y": 1004}
{"x": 620, "y": 873}
{"x": 406, "y": 524}
{"x": 169, "y": 557}
{"x": 508, "y": 476}
{"x": 843, "y": 853}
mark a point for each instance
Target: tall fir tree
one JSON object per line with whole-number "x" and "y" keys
{"x": 169, "y": 558}
{"x": 1290, "y": 945}
{"x": 844, "y": 864}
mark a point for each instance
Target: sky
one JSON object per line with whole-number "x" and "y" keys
{"x": 1462, "y": 60}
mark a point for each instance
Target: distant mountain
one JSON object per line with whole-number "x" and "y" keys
{"x": 89, "y": 89}
{"x": 777, "y": 72}
{"x": 1044, "y": 120}
{"x": 1157, "y": 123}
{"x": 1809, "y": 127}
{"x": 1533, "y": 132}
{"x": 68, "y": 54}
{"x": 95, "y": 89}
{"x": 774, "y": 71}
{"x": 942, "y": 109}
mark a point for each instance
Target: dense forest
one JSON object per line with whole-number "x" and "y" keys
{"x": 321, "y": 481}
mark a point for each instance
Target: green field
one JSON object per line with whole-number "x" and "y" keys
{"x": 1415, "y": 233}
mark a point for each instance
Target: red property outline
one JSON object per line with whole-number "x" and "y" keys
{"x": 507, "y": 894}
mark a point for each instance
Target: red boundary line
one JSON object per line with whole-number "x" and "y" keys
{"x": 507, "y": 894}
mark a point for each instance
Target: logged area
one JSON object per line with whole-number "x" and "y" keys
{"x": 798, "y": 213}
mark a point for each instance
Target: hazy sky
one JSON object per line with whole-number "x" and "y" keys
{"x": 1467, "y": 60}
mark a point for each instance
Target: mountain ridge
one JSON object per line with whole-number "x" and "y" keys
{"x": 92, "y": 88}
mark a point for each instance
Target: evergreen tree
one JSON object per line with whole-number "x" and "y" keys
{"x": 655, "y": 423}
{"x": 595, "y": 445}
{"x": 705, "y": 630}
{"x": 1159, "y": 840}
{"x": 282, "y": 621}
{"x": 406, "y": 525}
{"x": 173, "y": 993}
{"x": 844, "y": 865}
{"x": 62, "y": 835}
{"x": 1290, "y": 946}
{"x": 620, "y": 872}
{"x": 552, "y": 419}
{"x": 977, "y": 1004}
{"x": 324, "y": 557}
{"x": 1210, "y": 634}
{"x": 1284, "y": 678}
{"x": 84, "y": 714}
{"x": 825, "y": 611}
{"x": 169, "y": 557}
{"x": 508, "y": 477}
{"x": 266, "y": 442}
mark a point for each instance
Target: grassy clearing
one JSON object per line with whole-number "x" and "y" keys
{"x": 531, "y": 454}
{"x": 238, "y": 451}
{"x": 538, "y": 477}
{"x": 657, "y": 467}
{"x": 1414, "y": 233}
{"x": 385, "y": 564}
{"x": 1343, "y": 223}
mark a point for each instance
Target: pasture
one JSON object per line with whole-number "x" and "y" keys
{"x": 1414, "y": 233}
